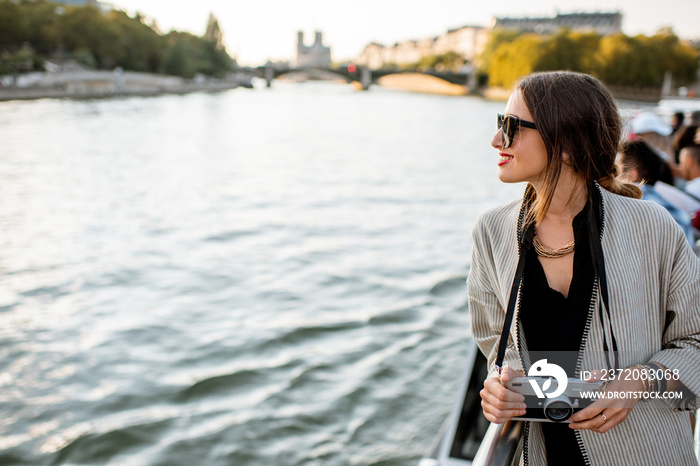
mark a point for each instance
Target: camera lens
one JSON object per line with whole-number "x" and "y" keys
{"x": 558, "y": 410}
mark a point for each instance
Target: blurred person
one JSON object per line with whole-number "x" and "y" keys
{"x": 684, "y": 137}
{"x": 678, "y": 197}
{"x": 649, "y": 127}
{"x": 641, "y": 165}
{"x": 677, "y": 122}
{"x": 690, "y": 169}
{"x": 579, "y": 243}
{"x": 695, "y": 118}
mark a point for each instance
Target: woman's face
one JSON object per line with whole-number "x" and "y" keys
{"x": 526, "y": 158}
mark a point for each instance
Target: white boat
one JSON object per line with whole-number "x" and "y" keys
{"x": 670, "y": 105}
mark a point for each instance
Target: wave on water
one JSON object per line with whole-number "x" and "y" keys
{"x": 271, "y": 289}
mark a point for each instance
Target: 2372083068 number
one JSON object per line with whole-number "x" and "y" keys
{"x": 634, "y": 373}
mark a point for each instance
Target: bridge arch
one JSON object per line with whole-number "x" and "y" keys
{"x": 366, "y": 77}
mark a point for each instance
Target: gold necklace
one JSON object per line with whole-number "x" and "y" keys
{"x": 545, "y": 251}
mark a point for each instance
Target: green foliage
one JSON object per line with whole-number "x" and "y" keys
{"x": 178, "y": 61}
{"x": 623, "y": 62}
{"x": 33, "y": 22}
{"x": 107, "y": 40}
{"x": 618, "y": 59}
{"x": 189, "y": 55}
{"x": 567, "y": 50}
{"x": 587, "y": 44}
{"x": 85, "y": 57}
{"x": 185, "y": 54}
{"x": 141, "y": 47}
{"x": 496, "y": 38}
{"x": 671, "y": 54}
{"x": 213, "y": 33}
{"x": 12, "y": 25}
{"x": 512, "y": 60}
{"x": 87, "y": 28}
{"x": 445, "y": 61}
{"x": 15, "y": 62}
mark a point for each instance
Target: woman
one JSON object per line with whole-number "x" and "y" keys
{"x": 589, "y": 270}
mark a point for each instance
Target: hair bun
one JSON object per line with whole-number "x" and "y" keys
{"x": 611, "y": 183}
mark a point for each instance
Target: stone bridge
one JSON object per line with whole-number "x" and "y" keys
{"x": 365, "y": 76}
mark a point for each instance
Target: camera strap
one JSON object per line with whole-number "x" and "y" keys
{"x": 524, "y": 246}
{"x": 594, "y": 238}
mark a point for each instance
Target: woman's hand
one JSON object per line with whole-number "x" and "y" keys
{"x": 606, "y": 413}
{"x": 499, "y": 403}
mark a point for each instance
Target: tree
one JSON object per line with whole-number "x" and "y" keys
{"x": 105, "y": 41}
{"x": 86, "y": 27}
{"x": 85, "y": 57}
{"x": 496, "y": 38}
{"x": 512, "y": 60}
{"x": 213, "y": 33}
{"x": 623, "y": 62}
{"x": 12, "y": 25}
{"x": 219, "y": 60}
{"x": 618, "y": 59}
{"x": 445, "y": 61}
{"x": 141, "y": 48}
{"x": 566, "y": 50}
{"x": 177, "y": 60}
{"x": 588, "y": 44}
{"x": 668, "y": 53}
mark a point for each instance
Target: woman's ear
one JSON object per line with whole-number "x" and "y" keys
{"x": 565, "y": 157}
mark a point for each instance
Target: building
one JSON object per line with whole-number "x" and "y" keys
{"x": 315, "y": 55}
{"x": 601, "y": 23}
{"x": 373, "y": 56}
{"x": 467, "y": 41}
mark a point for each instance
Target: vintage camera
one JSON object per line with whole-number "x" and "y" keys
{"x": 544, "y": 403}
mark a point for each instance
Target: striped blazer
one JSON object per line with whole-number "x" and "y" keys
{"x": 653, "y": 279}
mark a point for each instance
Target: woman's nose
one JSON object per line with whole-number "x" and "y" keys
{"x": 497, "y": 141}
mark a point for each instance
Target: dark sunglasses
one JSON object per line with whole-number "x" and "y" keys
{"x": 510, "y": 125}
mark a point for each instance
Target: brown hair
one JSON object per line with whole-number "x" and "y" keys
{"x": 639, "y": 155}
{"x": 683, "y": 138}
{"x": 575, "y": 114}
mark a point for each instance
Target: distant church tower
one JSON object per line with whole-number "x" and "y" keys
{"x": 316, "y": 55}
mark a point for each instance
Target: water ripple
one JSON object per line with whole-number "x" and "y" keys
{"x": 241, "y": 278}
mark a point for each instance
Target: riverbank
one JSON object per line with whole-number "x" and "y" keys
{"x": 44, "y": 93}
{"x": 422, "y": 83}
{"x": 99, "y": 84}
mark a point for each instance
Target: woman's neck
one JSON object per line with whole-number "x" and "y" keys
{"x": 570, "y": 197}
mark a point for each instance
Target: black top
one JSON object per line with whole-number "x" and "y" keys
{"x": 554, "y": 324}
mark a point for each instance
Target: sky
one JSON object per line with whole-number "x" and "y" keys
{"x": 258, "y": 30}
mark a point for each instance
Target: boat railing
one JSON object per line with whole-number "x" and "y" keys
{"x": 501, "y": 445}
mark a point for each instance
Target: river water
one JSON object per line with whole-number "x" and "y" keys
{"x": 255, "y": 277}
